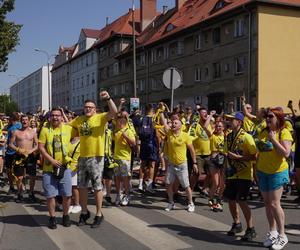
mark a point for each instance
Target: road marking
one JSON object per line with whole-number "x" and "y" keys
{"x": 140, "y": 230}
{"x": 71, "y": 238}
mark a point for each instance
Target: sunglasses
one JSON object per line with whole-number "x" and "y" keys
{"x": 270, "y": 116}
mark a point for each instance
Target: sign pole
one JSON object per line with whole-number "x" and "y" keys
{"x": 172, "y": 89}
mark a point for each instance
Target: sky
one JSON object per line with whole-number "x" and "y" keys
{"x": 49, "y": 24}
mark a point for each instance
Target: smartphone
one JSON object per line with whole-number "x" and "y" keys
{"x": 290, "y": 103}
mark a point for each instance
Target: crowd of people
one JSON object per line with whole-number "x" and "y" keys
{"x": 223, "y": 155}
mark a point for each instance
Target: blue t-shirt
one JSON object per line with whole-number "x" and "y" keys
{"x": 10, "y": 130}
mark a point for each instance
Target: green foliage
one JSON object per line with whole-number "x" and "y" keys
{"x": 6, "y": 105}
{"x": 9, "y": 33}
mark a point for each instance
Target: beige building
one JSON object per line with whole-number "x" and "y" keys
{"x": 223, "y": 48}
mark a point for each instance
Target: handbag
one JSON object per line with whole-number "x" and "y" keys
{"x": 218, "y": 160}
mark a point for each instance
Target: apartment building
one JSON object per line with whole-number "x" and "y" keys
{"x": 31, "y": 92}
{"x": 223, "y": 48}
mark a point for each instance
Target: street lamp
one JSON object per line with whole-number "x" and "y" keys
{"x": 48, "y": 68}
{"x": 134, "y": 50}
{"x": 19, "y": 78}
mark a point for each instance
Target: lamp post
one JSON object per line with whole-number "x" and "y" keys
{"x": 19, "y": 78}
{"x": 134, "y": 50}
{"x": 48, "y": 69}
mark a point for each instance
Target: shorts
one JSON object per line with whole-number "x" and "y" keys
{"x": 108, "y": 173}
{"x": 179, "y": 171}
{"x": 149, "y": 152}
{"x": 54, "y": 187}
{"x": 123, "y": 169}
{"x": 203, "y": 161}
{"x": 272, "y": 182}
{"x": 90, "y": 169}
{"x": 8, "y": 161}
{"x": 74, "y": 178}
{"x": 237, "y": 189}
{"x": 28, "y": 164}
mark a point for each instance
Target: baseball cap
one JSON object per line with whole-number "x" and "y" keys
{"x": 236, "y": 115}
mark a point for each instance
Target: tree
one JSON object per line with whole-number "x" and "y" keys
{"x": 6, "y": 105}
{"x": 9, "y": 33}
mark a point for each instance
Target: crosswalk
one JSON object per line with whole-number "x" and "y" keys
{"x": 143, "y": 225}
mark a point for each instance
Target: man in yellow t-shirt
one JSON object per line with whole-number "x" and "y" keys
{"x": 53, "y": 145}
{"x": 91, "y": 130}
{"x": 201, "y": 133}
{"x": 241, "y": 150}
{"x": 124, "y": 139}
{"x": 177, "y": 143}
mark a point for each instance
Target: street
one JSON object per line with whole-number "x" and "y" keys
{"x": 142, "y": 225}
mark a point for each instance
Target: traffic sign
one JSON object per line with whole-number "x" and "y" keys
{"x": 172, "y": 78}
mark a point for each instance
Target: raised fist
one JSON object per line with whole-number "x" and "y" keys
{"x": 104, "y": 95}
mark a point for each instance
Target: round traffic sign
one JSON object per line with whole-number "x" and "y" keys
{"x": 172, "y": 78}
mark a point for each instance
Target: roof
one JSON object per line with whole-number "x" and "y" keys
{"x": 123, "y": 25}
{"x": 92, "y": 33}
{"x": 71, "y": 49}
{"x": 196, "y": 11}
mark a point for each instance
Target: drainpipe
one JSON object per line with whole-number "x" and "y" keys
{"x": 249, "y": 54}
{"x": 147, "y": 74}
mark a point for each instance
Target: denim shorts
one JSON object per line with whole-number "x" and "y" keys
{"x": 54, "y": 187}
{"x": 179, "y": 171}
{"x": 271, "y": 182}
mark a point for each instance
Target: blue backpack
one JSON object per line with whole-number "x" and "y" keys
{"x": 146, "y": 129}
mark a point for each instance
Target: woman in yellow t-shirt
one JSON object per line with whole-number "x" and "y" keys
{"x": 274, "y": 145}
{"x": 216, "y": 166}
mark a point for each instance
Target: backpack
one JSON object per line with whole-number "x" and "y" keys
{"x": 146, "y": 129}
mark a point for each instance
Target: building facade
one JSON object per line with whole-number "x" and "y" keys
{"x": 31, "y": 92}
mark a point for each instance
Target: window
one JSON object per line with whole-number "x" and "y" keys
{"x": 141, "y": 85}
{"x": 240, "y": 63}
{"x": 169, "y": 27}
{"x": 92, "y": 58}
{"x": 123, "y": 88}
{"x": 87, "y": 80}
{"x": 198, "y": 42}
{"x": 141, "y": 59}
{"x": 217, "y": 70}
{"x": 239, "y": 27}
{"x": 153, "y": 56}
{"x": 159, "y": 53}
{"x": 180, "y": 47}
{"x": 82, "y": 81}
{"x": 93, "y": 78}
{"x": 86, "y": 60}
{"x": 116, "y": 69}
{"x": 197, "y": 74}
{"x": 166, "y": 52}
{"x": 226, "y": 67}
{"x": 73, "y": 86}
{"x": 153, "y": 84}
{"x": 116, "y": 47}
{"x": 217, "y": 35}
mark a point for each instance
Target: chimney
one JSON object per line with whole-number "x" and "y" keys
{"x": 165, "y": 9}
{"x": 179, "y": 4}
{"x": 107, "y": 21}
{"x": 148, "y": 12}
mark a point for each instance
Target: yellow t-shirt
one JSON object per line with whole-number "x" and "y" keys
{"x": 177, "y": 146}
{"x": 92, "y": 134}
{"x": 122, "y": 148}
{"x": 248, "y": 124}
{"x": 259, "y": 126}
{"x": 217, "y": 143}
{"x": 289, "y": 126}
{"x": 268, "y": 159}
{"x": 1, "y": 127}
{"x": 74, "y": 159}
{"x": 52, "y": 138}
{"x": 242, "y": 144}
{"x": 201, "y": 140}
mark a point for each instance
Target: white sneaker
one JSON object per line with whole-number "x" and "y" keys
{"x": 70, "y": 209}
{"x": 125, "y": 200}
{"x": 270, "y": 239}
{"x": 191, "y": 207}
{"x": 170, "y": 206}
{"x": 281, "y": 241}
{"x": 76, "y": 209}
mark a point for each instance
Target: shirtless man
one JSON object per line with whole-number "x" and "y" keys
{"x": 25, "y": 142}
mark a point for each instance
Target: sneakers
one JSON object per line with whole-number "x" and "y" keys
{"x": 83, "y": 218}
{"x": 52, "y": 223}
{"x": 76, "y": 209}
{"x": 70, "y": 209}
{"x": 236, "y": 228}
{"x": 107, "y": 200}
{"x": 170, "y": 206}
{"x": 11, "y": 190}
{"x": 149, "y": 189}
{"x": 217, "y": 207}
{"x": 271, "y": 238}
{"x": 191, "y": 207}
{"x": 125, "y": 200}
{"x": 97, "y": 221}
{"x": 118, "y": 200}
{"x": 281, "y": 241}
{"x": 19, "y": 198}
{"x": 66, "y": 221}
{"x": 32, "y": 198}
{"x": 249, "y": 234}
